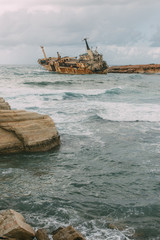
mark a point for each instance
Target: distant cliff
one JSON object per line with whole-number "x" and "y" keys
{"x": 147, "y": 68}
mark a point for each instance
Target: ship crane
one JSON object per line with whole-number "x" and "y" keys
{"x": 45, "y": 57}
{"x": 90, "y": 53}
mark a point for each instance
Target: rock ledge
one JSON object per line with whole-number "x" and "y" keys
{"x": 23, "y": 131}
{"x": 146, "y": 68}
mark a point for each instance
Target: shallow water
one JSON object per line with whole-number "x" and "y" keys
{"x": 106, "y": 170}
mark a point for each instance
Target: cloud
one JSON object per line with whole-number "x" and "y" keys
{"x": 116, "y": 55}
{"x": 155, "y": 40}
{"x": 62, "y": 24}
{"x": 66, "y": 26}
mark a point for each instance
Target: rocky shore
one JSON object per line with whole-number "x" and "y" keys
{"x": 23, "y": 131}
{"x": 4, "y": 105}
{"x": 147, "y": 68}
{"x": 14, "y": 227}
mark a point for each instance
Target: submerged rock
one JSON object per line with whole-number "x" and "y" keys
{"x": 4, "y": 105}
{"x": 26, "y": 131}
{"x": 13, "y": 225}
{"x": 68, "y": 233}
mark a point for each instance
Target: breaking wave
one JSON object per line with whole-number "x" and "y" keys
{"x": 48, "y": 83}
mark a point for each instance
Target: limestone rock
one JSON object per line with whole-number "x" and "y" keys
{"x": 41, "y": 234}
{"x": 147, "y": 68}
{"x": 23, "y": 131}
{"x": 4, "y": 105}
{"x": 68, "y": 233}
{"x": 13, "y": 225}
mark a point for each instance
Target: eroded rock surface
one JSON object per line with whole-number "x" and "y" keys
{"x": 21, "y": 130}
{"x": 13, "y": 225}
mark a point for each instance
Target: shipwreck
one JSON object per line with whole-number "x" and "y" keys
{"x": 90, "y": 62}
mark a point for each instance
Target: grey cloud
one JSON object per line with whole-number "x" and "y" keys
{"x": 155, "y": 40}
{"x": 105, "y": 22}
{"x": 93, "y": 2}
{"x": 67, "y": 27}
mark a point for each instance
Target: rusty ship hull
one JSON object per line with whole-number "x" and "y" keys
{"x": 72, "y": 70}
{"x": 89, "y": 63}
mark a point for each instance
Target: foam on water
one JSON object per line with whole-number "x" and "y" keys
{"x": 125, "y": 112}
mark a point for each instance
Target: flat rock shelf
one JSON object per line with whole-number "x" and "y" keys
{"x": 23, "y": 131}
{"x": 147, "y": 68}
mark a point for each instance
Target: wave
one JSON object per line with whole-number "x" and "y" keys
{"x": 113, "y": 91}
{"x": 71, "y": 95}
{"x": 37, "y": 83}
{"x": 125, "y": 112}
{"x": 92, "y": 93}
{"x": 48, "y": 83}
{"x": 99, "y": 118}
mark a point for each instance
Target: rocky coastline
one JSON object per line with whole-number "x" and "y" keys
{"x": 147, "y": 68}
{"x": 23, "y": 131}
{"x": 14, "y": 227}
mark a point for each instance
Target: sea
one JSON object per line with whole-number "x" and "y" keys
{"x": 104, "y": 178}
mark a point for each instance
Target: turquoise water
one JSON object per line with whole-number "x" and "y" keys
{"x": 107, "y": 169}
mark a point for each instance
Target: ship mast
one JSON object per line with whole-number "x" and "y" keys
{"x": 90, "y": 53}
{"x": 87, "y": 46}
{"x": 45, "y": 57}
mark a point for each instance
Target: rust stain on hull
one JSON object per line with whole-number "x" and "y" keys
{"x": 89, "y": 63}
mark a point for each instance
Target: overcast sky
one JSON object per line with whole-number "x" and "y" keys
{"x": 125, "y": 31}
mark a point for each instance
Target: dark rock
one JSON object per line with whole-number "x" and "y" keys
{"x": 41, "y": 234}
{"x": 57, "y": 230}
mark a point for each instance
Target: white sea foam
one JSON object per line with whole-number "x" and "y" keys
{"x": 130, "y": 112}
{"x": 7, "y": 171}
{"x": 92, "y": 231}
